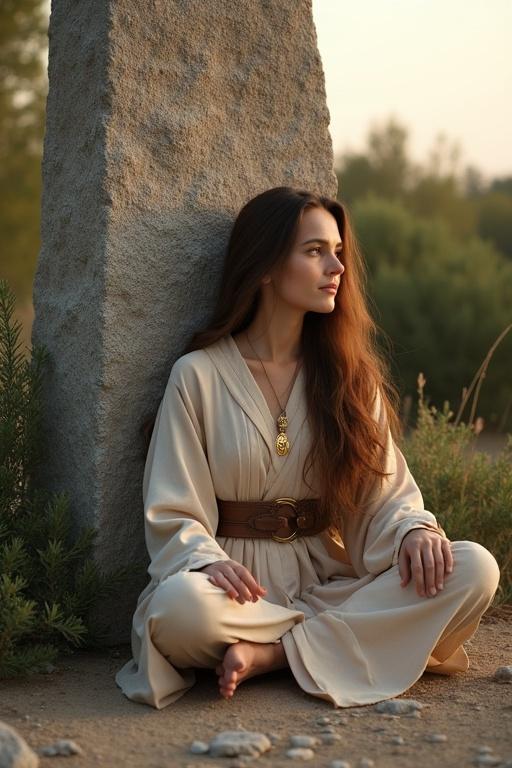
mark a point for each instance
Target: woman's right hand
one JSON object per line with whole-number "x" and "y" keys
{"x": 236, "y": 579}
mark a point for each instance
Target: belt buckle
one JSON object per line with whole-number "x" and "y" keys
{"x": 293, "y": 503}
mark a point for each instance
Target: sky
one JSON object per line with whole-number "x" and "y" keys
{"x": 436, "y": 66}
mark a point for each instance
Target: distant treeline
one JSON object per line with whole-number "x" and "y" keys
{"x": 438, "y": 247}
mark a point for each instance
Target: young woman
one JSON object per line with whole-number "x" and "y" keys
{"x": 282, "y": 522}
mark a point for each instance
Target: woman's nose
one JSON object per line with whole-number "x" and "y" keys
{"x": 338, "y": 267}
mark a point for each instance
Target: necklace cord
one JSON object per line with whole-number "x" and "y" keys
{"x": 268, "y": 379}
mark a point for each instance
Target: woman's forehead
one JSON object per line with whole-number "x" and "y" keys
{"x": 318, "y": 223}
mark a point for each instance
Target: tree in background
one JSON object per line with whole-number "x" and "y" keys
{"x": 440, "y": 188}
{"x": 437, "y": 243}
{"x": 23, "y": 88}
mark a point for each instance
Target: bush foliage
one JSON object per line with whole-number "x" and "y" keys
{"x": 49, "y": 581}
{"x": 468, "y": 491}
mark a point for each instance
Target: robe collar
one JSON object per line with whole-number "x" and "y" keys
{"x": 242, "y": 385}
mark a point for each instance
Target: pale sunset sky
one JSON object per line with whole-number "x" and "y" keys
{"x": 436, "y": 66}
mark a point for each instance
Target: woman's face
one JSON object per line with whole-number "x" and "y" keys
{"x": 313, "y": 263}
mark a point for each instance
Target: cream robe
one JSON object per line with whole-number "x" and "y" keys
{"x": 214, "y": 437}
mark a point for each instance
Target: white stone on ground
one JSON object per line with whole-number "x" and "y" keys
{"x": 330, "y": 738}
{"x": 64, "y": 747}
{"x": 301, "y": 740}
{"x": 234, "y": 743}
{"x": 398, "y": 706}
{"x": 199, "y": 747}
{"x": 503, "y": 674}
{"x": 300, "y": 753}
{"x": 483, "y": 760}
{"x": 14, "y": 750}
{"x": 436, "y": 738}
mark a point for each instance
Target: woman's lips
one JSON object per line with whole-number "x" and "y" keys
{"x": 329, "y": 289}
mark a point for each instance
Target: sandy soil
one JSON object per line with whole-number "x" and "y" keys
{"x": 81, "y": 701}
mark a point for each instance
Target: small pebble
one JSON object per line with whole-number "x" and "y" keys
{"x": 62, "y": 747}
{"x": 342, "y": 721}
{"x": 416, "y": 714}
{"x": 436, "y": 738}
{"x": 324, "y": 720}
{"x": 339, "y": 764}
{"x": 199, "y": 748}
{"x": 398, "y": 706}
{"x": 487, "y": 760}
{"x": 300, "y": 753}
{"x": 328, "y": 729}
{"x": 300, "y": 740}
{"x": 330, "y": 738}
{"x": 274, "y": 737}
{"x": 484, "y": 749}
{"x": 236, "y": 743}
{"x": 397, "y": 740}
{"x": 503, "y": 674}
{"x": 365, "y": 762}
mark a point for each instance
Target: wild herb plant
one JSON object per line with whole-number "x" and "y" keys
{"x": 469, "y": 491}
{"x": 49, "y": 581}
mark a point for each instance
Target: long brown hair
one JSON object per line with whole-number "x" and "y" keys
{"x": 343, "y": 365}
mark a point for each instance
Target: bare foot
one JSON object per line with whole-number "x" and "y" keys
{"x": 245, "y": 659}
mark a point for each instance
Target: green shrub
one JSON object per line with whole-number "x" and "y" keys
{"x": 469, "y": 492}
{"x": 49, "y": 581}
{"x": 441, "y": 301}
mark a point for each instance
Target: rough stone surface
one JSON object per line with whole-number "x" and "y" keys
{"x": 160, "y": 126}
{"x": 235, "y": 743}
{"x": 14, "y": 750}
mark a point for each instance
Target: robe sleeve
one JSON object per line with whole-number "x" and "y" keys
{"x": 180, "y": 507}
{"x": 397, "y": 509}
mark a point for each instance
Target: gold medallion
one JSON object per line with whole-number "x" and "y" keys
{"x": 282, "y": 443}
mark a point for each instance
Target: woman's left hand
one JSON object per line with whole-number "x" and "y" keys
{"x": 426, "y": 557}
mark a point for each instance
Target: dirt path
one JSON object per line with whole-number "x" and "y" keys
{"x": 81, "y": 701}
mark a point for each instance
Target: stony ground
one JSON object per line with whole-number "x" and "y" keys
{"x": 81, "y": 701}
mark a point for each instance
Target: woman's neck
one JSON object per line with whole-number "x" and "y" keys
{"x": 279, "y": 346}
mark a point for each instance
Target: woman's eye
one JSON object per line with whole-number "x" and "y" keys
{"x": 314, "y": 249}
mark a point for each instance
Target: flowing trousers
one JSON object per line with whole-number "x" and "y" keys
{"x": 368, "y": 647}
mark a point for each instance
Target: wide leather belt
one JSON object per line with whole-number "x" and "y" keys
{"x": 282, "y": 519}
